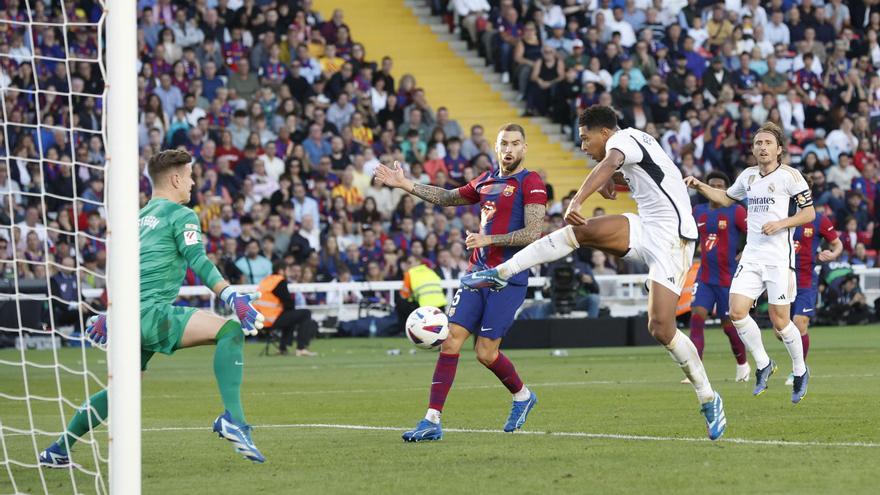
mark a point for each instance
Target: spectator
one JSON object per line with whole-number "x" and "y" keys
{"x": 253, "y": 265}
{"x": 545, "y": 74}
{"x": 843, "y": 173}
{"x": 339, "y": 114}
{"x": 302, "y": 204}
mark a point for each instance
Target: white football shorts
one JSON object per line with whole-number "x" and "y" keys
{"x": 667, "y": 255}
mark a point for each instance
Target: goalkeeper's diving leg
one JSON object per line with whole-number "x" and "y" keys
{"x": 201, "y": 328}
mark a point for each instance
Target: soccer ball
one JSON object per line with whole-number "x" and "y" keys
{"x": 427, "y": 327}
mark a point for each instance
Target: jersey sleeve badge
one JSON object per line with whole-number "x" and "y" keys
{"x": 191, "y": 237}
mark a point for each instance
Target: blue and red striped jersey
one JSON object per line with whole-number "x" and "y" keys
{"x": 502, "y": 210}
{"x": 720, "y": 232}
{"x": 806, "y": 246}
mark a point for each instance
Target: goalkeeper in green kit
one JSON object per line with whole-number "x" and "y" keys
{"x": 171, "y": 240}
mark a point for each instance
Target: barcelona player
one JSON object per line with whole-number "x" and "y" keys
{"x": 721, "y": 228}
{"x": 807, "y": 245}
{"x": 663, "y": 235}
{"x": 171, "y": 241}
{"x": 513, "y": 202}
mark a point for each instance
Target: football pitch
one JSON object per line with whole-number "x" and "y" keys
{"x": 608, "y": 420}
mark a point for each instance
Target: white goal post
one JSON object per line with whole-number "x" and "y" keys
{"x": 123, "y": 271}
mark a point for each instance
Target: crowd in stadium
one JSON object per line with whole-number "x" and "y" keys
{"x": 287, "y": 115}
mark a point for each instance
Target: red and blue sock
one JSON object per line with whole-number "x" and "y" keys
{"x": 506, "y": 372}
{"x": 444, "y": 374}
{"x": 805, "y": 341}
{"x": 736, "y": 345}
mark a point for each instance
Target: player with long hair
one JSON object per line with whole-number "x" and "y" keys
{"x": 768, "y": 259}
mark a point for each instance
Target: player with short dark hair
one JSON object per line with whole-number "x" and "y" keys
{"x": 171, "y": 241}
{"x": 768, "y": 260}
{"x": 662, "y": 235}
{"x": 721, "y": 228}
{"x": 807, "y": 247}
{"x": 513, "y": 202}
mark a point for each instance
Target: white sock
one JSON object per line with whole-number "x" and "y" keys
{"x": 549, "y": 248}
{"x": 523, "y": 394}
{"x": 433, "y": 416}
{"x": 750, "y": 334}
{"x": 683, "y": 352}
{"x": 791, "y": 337}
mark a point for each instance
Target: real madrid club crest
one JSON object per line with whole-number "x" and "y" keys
{"x": 508, "y": 191}
{"x": 751, "y": 179}
{"x": 771, "y": 187}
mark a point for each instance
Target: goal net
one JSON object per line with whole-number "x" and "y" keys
{"x": 55, "y": 214}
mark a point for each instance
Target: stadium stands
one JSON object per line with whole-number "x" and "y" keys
{"x": 287, "y": 114}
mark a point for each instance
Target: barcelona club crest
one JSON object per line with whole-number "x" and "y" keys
{"x": 508, "y": 191}
{"x": 808, "y": 231}
{"x": 722, "y": 224}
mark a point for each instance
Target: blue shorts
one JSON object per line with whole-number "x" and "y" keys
{"x": 805, "y": 303}
{"x": 485, "y": 312}
{"x": 713, "y": 296}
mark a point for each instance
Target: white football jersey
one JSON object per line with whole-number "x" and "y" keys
{"x": 655, "y": 182}
{"x": 769, "y": 198}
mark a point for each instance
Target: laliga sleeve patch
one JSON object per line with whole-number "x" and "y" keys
{"x": 191, "y": 237}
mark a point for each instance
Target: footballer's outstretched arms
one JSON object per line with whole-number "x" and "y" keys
{"x": 534, "y": 220}
{"x": 394, "y": 177}
{"x": 715, "y": 195}
{"x": 601, "y": 177}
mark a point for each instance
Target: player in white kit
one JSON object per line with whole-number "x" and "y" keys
{"x": 663, "y": 235}
{"x": 768, "y": 259}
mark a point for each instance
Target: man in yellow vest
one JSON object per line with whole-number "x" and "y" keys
{"x": 279, "y": 309}
{"x": 421, "y": 287}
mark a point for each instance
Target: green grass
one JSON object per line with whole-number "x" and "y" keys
{"x": 627, "y": 391}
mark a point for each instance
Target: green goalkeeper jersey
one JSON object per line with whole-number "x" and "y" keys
{"x": 170, "y": 240}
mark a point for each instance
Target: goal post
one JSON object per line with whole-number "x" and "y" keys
{"x": 123, "y": 271}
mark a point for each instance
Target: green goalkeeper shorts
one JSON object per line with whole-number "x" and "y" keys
{"x": 162, "y": 329}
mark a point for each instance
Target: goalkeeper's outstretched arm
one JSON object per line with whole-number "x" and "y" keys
{"x": 190, "y": 245}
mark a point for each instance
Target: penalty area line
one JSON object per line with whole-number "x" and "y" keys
{"x": 578, "y": 434}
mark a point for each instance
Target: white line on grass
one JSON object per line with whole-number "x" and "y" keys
{"x": 601, "y": 436}
{"x": 463, "y": 387}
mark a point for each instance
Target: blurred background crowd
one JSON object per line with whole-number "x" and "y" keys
{"x": 287, "y": 115}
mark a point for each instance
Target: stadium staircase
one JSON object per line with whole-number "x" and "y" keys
{"x": 457, "y": 78}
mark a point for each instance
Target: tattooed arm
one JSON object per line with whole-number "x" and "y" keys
{"x": 437, "y": 195}
{"x": 394, "y": 177}
{"x": 534, "y": 214}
